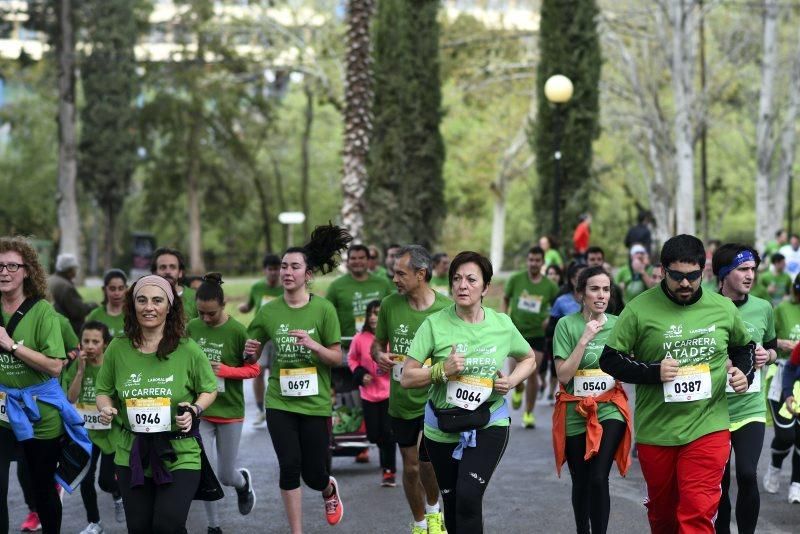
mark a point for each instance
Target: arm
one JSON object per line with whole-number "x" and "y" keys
{"x": 203, "y": 401}
{"x": 106, "y": 408}
{"x": 33, "y": 359}
{"x": 743, "y": 357}
{"x": 75, "y": 386}
{"x": 415, "y": 376}
{"x": 248, "y": 370}
{"x": 623, "y": 367}
{"x": 245, "y": 307}
{"x": 524, "y": 368}
{"x": 504, "y": 305}
{"x": 380, "y": 356}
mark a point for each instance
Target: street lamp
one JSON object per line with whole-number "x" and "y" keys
{"x": 558, "y": 90}
{"x": 290, "y": 218}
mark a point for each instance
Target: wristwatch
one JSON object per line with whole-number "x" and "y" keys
{"x": 14, "y": 347}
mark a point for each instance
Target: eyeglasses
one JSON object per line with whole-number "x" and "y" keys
{"x": 11, "y": 267}
{"x": 678, "y": 276}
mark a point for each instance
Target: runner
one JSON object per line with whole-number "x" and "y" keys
{"x": 31, "y": 367}
{"x": 224, "y": 341}
{"x": 390, "y": 257}
{"x": 603, "y": 423}
{"x": 65, "y": 297}
{"x": 555, "y": 275}
{"x": 791, "y": 410}
{"x": 776, "y": 281}
{"x": 79, "y": 382}
{"x": 110, "y": 312}
{"x": 401, "y": 315}
{"x": 374, "y": 389}
{"x": 681, "y": 337}
{"x": 528, "y": 297}
{"x": 375, "y": 266}
{"x": 306, "y": 333}
{"x": 596, "y": 257}
{"x": 735, "y": 267}
{"x": 262, "y": 292}
{"x": 159, "y": 383}
{"x": 791, "y": 251}
{"x": 635, "y": 277}
{"x": 168, "y": 263}
{"x": 468, "y": 344}
{"x": 441, "y": 265}
{"x": 787, "y": 425}
{"x": 551, "y": 254}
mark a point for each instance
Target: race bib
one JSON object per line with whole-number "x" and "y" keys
{"x": 3, "y": 414}
{"x": 755, "y": 386}
{"x": 776, "y": 387}
{"x": 220, "y": 385}
{"x": 692, "y": 383}
{"x": 149, "y": 415}
{"x": 530, "y": 303}
{"x": 397, "y": 369}
{"x": 91, "y": 417}
{"x": 591, "y": 383}
{"x": 299, "y": 382}
{"x": 468, "y": 392}
{"x": 360, "y": 320}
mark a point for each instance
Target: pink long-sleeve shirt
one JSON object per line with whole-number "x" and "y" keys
{"x": 359, "y": 356}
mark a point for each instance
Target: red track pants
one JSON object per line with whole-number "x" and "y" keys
{"x": 684, "y": 483}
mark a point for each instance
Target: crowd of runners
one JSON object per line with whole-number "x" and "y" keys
{"x": 146, "y": 390}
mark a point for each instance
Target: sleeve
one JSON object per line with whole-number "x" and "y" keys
{"x": 563, "y": 344}
{"x": 243, "y": 372}
{"x": 518, "y": 347}
{"x": 68, "y": 335}
{"x": 203, "y": 378}
{"x": 105, "y": 378}
{"x": 354, "y": 354}
{"x": 616, "y": 360}
{"x": 741, "y": 348}
{"x": 423, "y": 345}
{"x": 555, "y": 311}
{"x": 258, "y": 328}
{"x": 382, "y": 329}
{"x": 50, "y": 341}
{"x": 330, "y": 332}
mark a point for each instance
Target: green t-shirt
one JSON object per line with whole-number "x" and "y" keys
{"x": 71, "y": 340}
{"x": 86, "y": 401}
{"x": 441, "y": 284}
{"x": 39, "y": 330}
{"x": 261, "y": 293}
{"x": 552, "y": 257}
{"x": 134, "y": 379}
{"x": 224, "y": 344}
{"x": 485, "y": 346}
{"x": 653, "y": 327}
{"x": 529, "y": 303}
{"x": 569, "y": 330}
{"x": 189, "y": 304}
{"x": 782, "y": 283}
{"x": 757, "y": 290}
{"x": 759, "y": 320}
{"x": 350, "y": 298}
{"x": 397, "y": 324}
{"x": 273, "y": 322}
{"x": 787, "y": 323}
{"x": 634, "y": 285}
{"x": 115, "y": 323}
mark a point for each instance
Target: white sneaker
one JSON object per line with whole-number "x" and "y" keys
{"x": 794, "y": 493}
{"x": 93, "y": 528}
{"x": 261, "y": 419}
{"x": 772, "y": 479}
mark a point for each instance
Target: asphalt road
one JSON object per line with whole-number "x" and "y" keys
{"x": 524, "y": 496}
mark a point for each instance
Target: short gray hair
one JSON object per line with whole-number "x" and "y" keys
{"x": 420, "y": 259}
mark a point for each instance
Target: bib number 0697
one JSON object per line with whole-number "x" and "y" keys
{"x": 298, "y": 384}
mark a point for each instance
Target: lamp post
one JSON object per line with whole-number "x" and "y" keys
{"x": 290, "y": 218}
{"x": 558, "y": 90}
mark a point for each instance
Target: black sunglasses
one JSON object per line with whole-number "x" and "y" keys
{"x": 678, "y": 276}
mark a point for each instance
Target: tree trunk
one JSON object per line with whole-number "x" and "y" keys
{"x": 683, "y": 54}
{"x": 263, "y": 203}
{"x": 788, "y": 148}
{"x": 305, "y": 158}
{"x": 68, "y": 217}
{"x": 357, "y": 115}
{"x": 196, "y": 263}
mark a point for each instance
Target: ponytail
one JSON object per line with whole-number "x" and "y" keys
{"x": 211, "y": 288}
{"x": 326, "y": 243}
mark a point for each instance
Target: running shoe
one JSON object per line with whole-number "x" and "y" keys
{"x": 363, "y": 457}
{"x": 31, "y": 523}
{"x": 214, "y": 530}
{"x": 260, "y": 419}
{"x": 435, "y": 523}
{"x": 772, "y": 479}
{"x": 516, "y": 399}
{"x": 388, "y": 480}
{"x": 246, "y": 495}
{"x": 794, "y": 493}
{"x": 334, "y": 509}
{"x": 119, "y": 511}
{"x": 93, "y": 528}
{"x": 528, "y": 420}
{"x": 418, "y": 530}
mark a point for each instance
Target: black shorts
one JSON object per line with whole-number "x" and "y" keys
{"x": 406, "y": 434}
{"x": 536, "y": 343}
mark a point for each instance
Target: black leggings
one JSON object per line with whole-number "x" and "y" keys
{"x": 787, "y": 436}
{"x": 8, "y": 450}
{"x": 464, "y": 482}
{"x": 379, "y": 431}
{"x": 107, "y": 482}
{"x": 24, "y": 479}
{"x": 591, "y": 502}
{"x": 302, "y": 444}
{"x": 746, "y": 443}
{"x": 158, "y": 509}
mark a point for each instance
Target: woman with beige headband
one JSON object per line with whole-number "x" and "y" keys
{"x": 154, "y": 384}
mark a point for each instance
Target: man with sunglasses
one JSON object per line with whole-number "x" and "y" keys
{"x": 682, "y": 347}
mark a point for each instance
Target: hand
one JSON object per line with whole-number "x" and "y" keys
{"x": 384, "y": 362}
{"x": 738, "y": 380}
{"x": 762, "y": 356}
{"x": 252, "y": 349}
{"x": 501, "y": 383}
{"x": 591, "y": 330}
{"x": 107, "y": 415}
{"x": 367, "y": 379}
{"x": 5, "y": 340}
{"x": 669, "y": 369}
{"x": 454, "y": 363}
{"x": 304, "y": 340}
{"x": 243, "y": 308}
{"x": 790, "y": 404}
{"x": 81, "y": 361}
{"x": 184, "y": 421}
{"x": 215, "y": 367}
